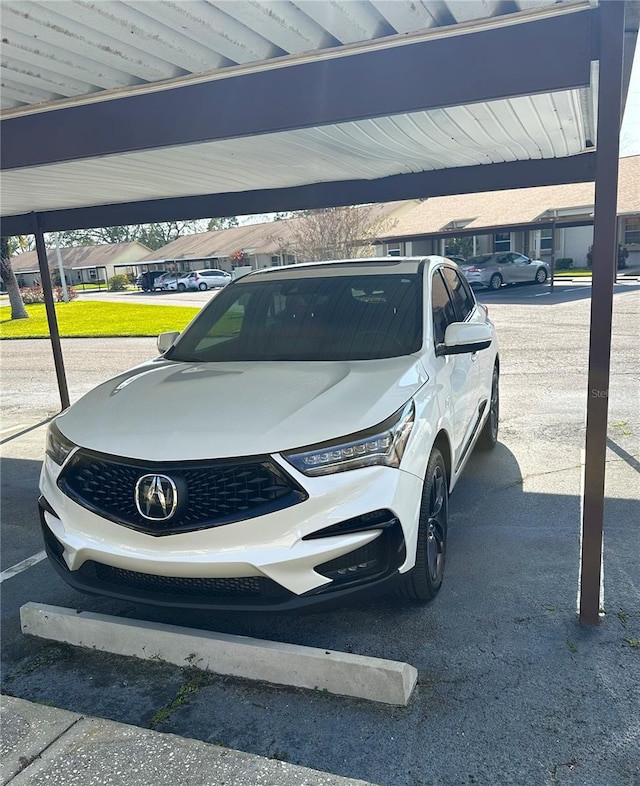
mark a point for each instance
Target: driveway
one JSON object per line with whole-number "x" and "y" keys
{"x": 158, "y": 298}
{"x": 511, "y": 689}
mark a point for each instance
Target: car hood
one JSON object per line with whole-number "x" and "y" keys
{"x": 169, "y": 411}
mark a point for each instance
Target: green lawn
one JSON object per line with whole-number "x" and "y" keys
{"x": 81, "y": 318}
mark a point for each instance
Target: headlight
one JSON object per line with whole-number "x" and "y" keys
{"x": 58, "y": 446}
{"x": 381, "y": 445}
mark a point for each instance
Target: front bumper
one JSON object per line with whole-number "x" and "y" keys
{"x": 266, "y": 562}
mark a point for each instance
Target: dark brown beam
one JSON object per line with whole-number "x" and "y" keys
{"x": 604, "y": 265}
{"x": 442, "y": 182}
{"x": 522, "y": 58}
{"x": 45, "y": 277}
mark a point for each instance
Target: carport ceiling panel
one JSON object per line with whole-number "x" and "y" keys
{"x": 59, "y": 49}
{"x": 524, "y": 128}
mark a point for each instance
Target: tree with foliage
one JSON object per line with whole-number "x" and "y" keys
{"x": 333, "y": 233}
{"x": 153, "y": 236}
{"x": 18, "y": 311}
{"x": 221, "y": 223}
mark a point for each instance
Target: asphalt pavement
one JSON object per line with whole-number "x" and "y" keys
{"x": 511, "y": 690}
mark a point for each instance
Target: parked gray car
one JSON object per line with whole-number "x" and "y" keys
{"x": 508, "y": 267}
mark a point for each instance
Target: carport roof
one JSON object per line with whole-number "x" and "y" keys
{"x": 126, "y": 112}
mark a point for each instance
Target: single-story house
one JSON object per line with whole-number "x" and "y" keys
{"x": 266, "y": 244}
{"x": 518, "y": 220}
{"x": 81, "y": 264}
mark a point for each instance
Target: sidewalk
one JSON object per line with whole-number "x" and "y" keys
{"x": 45, "y": 745}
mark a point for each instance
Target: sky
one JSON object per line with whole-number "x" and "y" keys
{"x": 630, "y": 131}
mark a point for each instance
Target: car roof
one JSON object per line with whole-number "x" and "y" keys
{"x": 347, "y": 267}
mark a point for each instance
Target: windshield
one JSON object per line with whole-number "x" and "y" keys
{"x": 311, "y": 318}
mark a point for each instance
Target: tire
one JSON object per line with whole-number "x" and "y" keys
{"x": 181, "y": 287}
{"x": 541, "y": 275}
{"x": 489, "y": 434}
{"x": 202, "y": 286}
{"x": 495, "y": 282}
{"x": 423, "y": 581}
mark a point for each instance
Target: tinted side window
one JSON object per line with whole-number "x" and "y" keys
{"x": 443, "y": 312}
{"x": 460, "y": 294}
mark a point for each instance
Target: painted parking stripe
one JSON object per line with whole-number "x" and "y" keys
{"x": 24, "y": 565}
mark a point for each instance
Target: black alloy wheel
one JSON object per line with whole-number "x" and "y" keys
{"x": 489, "y": 434}
{"x": 423, "y": 581}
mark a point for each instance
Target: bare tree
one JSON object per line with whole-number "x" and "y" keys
{"x": 18, "y": 311}
{"x": 334, "y": 233}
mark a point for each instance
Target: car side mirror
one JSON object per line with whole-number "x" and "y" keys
{"x": 165, "y": 340}
{"x": 463, "y": 337}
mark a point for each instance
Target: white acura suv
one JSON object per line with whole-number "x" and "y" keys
{"x": 348, "y": 396}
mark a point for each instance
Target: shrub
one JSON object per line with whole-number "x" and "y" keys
{"x": 59, "y": 293}
{"x": 118, "y": 283}
{"x": 565, "y": 263}
{"x": 36, "y": 294}
{"x": 32, "y": 295}
{"x": 623, "y": 253}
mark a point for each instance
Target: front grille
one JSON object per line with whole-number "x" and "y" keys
{"x": 254, "y": 587}
{"x": 209, "y": 493}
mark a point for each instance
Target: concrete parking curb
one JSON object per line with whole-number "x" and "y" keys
{"x": 45, "y": 745}
{"x": 341, "y": 673}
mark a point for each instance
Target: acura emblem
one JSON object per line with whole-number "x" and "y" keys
{"x": 156, "y": 497}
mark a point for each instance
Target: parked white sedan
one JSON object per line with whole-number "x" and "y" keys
{"x": 203, "y": 280}
{"x": 353, "y": 393}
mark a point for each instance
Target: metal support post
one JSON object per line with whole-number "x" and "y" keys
{"x": 604, "y": 260}
{"x": 45, "y": 277}
{"x": 553, "y": 254}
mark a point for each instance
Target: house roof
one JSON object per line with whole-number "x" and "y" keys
{"x": 82, "y": 256}
{"x": 269, "y": 237}
{"x": 513, "y": 207}
{"x": 413, "y": 218}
